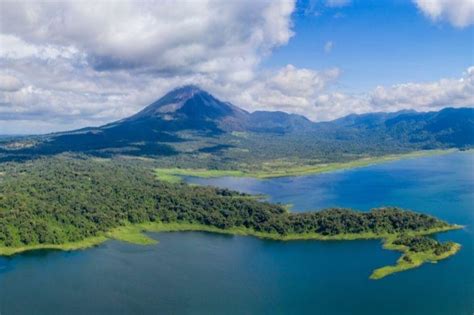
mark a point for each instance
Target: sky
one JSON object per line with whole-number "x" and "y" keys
{"x": 71, "y": 64}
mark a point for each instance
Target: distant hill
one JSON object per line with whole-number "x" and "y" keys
{"x": 453, "y": 127}
{"x": 190, "y": 123}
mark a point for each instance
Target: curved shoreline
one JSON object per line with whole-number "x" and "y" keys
{"x": 134, "y": 234}
{"x": 175, "y": 174}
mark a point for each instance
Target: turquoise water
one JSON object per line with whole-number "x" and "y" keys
{"x": 201, "y": 273}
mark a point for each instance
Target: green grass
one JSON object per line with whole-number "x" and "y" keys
{"x": 284, "y": 169}
{"x": 133, "y": 233}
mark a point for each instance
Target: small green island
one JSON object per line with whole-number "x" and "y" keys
{"x": 69, "y": 203}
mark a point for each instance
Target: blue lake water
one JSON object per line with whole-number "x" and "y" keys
{"x": 202, "y": 273}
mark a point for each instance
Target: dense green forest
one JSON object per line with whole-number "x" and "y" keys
{"x": 61, "y": 199}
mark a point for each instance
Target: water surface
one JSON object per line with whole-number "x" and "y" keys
{"x": 202, "y": 273}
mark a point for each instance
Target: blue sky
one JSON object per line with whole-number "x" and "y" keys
{"x": 71, "y": 64}
{"x": 376, "y": 43}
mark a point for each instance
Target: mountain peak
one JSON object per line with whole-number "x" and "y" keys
{"x": 181, "y": 94}
{"x": 187, "y": 102}
{"x": 189, "y": 88}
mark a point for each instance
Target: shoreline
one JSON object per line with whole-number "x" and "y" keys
{"x": 175, "y": 175}
{"x": 134, "y": 234}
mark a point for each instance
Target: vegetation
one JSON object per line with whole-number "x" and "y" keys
{"x": 416, "y": 251}
{"x": 418, "y": 244}
{"x": 65, "y": 203}
{"x": 173, "y": 175}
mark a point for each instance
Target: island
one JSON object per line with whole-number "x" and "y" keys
{"x": 70, "y": 203}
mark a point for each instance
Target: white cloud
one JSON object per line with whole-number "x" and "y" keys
{"x": 13, "y": 47}
{"x": 460, "y": 13}
{"x": 9, "y": 83}
{"x": 288, "y": 89}
{"x": 426, "y": 96}
{"x": 417, "y": 96}
{"x": 328, "y": 47}
{"x": 226, "y": 38}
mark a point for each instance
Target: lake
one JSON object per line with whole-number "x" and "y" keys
{"x": 202, "y": 273}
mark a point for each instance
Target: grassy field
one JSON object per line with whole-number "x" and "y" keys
{"x": 275, "y": 169}
{"x": 135, "y": 234}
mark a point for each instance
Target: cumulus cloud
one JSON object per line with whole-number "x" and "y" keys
{"x": 12, "y": 47}
{"x": 426, "y": 96}
{"x": 418, "y": 96}
{"x": 288, "y": 89}
{"x": 460, "y": 13}
{"x": 206, "y": 36}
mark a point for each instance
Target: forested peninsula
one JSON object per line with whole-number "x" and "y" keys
{"x": 71, "y": 203}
